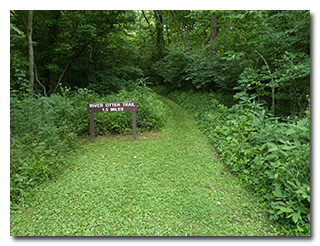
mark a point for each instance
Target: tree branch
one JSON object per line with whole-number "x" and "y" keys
{"x": 273, "y": 87}
{"x": 145, "y": 17}
{"x": 36, "y": 73}
{"x": 180, "y": 30}
{"x": 233, "y": 27}
{"x": 72, "y": 59}
{"x": 266, "y": 63}
{"x": 61, "y": 76}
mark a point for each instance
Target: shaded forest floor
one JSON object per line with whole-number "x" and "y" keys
{"x": 167, "y": 183}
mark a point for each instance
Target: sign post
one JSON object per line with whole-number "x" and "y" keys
{"x": 112, "y": 107}
{"x": 91, "y": 127}
{"x": 134, "y": 125}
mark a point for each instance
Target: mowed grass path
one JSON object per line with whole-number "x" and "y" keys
{"x": 166, "y": 183}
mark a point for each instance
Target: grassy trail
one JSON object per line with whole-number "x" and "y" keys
{"x": 166, "y": 183}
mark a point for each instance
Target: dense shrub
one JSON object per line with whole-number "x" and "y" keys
{"x": 172, "y": 68}
{"x": 41, "y": 135}
{"x": 271, "y": 155}
{"x": 150, "y": 109}
{"x": 43, "y": 130}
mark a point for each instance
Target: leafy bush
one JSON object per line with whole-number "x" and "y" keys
{"x": 201, "y": 69}
{"x": 43, "y": 130}
{"x": 173, "y": 67}
{"x": 150, "y": 109}
{"x": 271, "y": 155}
{"x": 41, "y": 136}
{"x": 209, "y": 70}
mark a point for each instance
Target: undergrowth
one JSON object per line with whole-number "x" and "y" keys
{"x": 270, "y": 154}
{"x": 43, "y": 131}
{"x": 164, "y": 183}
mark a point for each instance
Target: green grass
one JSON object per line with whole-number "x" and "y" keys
{"x": 167, "y": 183}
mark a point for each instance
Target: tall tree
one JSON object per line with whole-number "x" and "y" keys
{"x": 214, "y": 28}
{"x": 159, "y": 32}
{"x": 31, "y": 55}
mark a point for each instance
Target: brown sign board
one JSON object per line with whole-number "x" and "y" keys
{"x": 112, "y": 107}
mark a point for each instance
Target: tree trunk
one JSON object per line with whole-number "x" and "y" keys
{"x": 167, "y": 29}
{"x": 31, "y": 55}
{"x": 159, "y": 32}
{"x": 214, "y": 28}
{"x": 180, "y": 30}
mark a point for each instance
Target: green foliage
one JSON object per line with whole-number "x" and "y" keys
{"x": 150, "y": 114}
{"x": 18, "y": 60}
{"x": 84, "y": 48}
{"x": 41, "y": 136}
{"x": 43, "y": 130}
{"x": 255, "y": 57}
{"x": 212, "y": 71}
{"x": 173, "y": 67}
{"x": 164, "y": 184}
{"x": 271, "y": 155}
{"x": 293, "y": 75}
{"x": 253, "y": 52}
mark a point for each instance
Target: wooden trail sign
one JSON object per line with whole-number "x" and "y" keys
{"x": 112, "y": 107}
